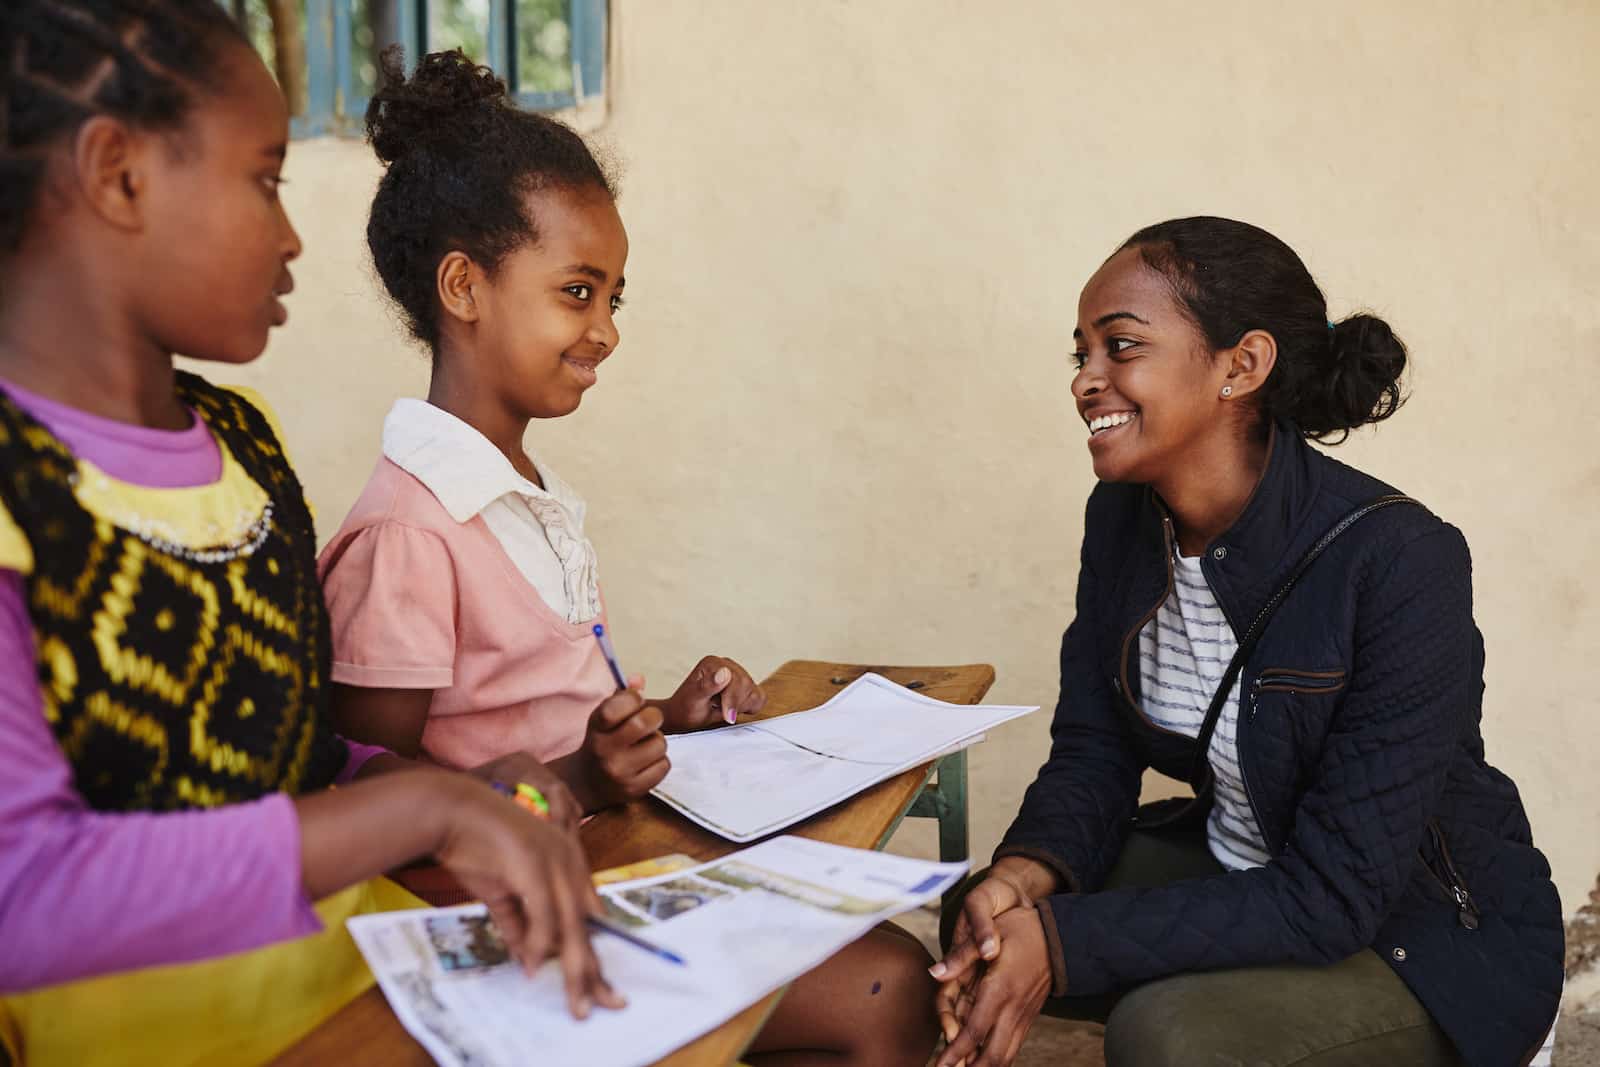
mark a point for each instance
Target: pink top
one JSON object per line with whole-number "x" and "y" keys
{"x": 419, "y": 600}
{"x": 84, "y": 892}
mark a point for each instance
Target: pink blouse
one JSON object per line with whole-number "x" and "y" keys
{"x": 420, "y": 598}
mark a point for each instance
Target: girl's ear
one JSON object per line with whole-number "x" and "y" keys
{"x": 111, "y": 170}
{"x": 1250, "y": 362}
{"x": 455, "y": 280}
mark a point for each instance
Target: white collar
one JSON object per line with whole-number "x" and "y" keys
{"x": 459, "y": 466}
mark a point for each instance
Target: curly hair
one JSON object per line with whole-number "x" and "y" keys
{"x": 461, "y": 160}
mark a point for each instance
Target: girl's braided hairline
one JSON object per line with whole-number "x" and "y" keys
{"x": 62, "y": 62}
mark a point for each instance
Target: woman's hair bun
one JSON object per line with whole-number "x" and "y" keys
{"x": 434, "y": 105}
{"x": 1232, "y": 277}
{"x": 1361, "y": 382}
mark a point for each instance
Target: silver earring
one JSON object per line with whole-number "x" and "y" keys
{"x": 1227, "y": 391}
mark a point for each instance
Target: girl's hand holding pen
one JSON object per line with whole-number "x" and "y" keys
{"x": 715, "y": 692}
{"x": 624, "y": 754}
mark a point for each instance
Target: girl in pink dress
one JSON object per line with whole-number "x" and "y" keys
{"x": 462, "y": 589}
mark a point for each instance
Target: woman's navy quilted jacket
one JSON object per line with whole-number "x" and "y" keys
{"x": 1361, "y": 751}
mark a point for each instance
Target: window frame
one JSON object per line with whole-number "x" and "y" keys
{"x": 333, "y": 105}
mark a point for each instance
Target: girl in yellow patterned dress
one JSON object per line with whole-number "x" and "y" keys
{"x": 175, "y": 866}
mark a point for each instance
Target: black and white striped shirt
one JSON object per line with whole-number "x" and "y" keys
{"x": 1183, "y": 653}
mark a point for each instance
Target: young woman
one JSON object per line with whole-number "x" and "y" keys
{"x": 1359, "y": 886}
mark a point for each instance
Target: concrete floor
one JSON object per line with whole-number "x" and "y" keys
{"x": 1578, "y": 1039}
{"x": 1057, "y": 1043}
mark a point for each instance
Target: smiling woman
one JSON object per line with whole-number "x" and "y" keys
{"x": 1354, "y": 882}
{"x": 1160, "y": 402}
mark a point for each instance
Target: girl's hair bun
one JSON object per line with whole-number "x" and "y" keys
{"x": 435, "y": 106}
{"x": 462, "y": 163}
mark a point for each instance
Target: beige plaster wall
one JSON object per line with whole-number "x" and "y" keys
{"x": 838, "y": 425}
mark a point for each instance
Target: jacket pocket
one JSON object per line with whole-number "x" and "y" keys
{"x": 1288, "y": 680}
{"x": 1435, "y": 852}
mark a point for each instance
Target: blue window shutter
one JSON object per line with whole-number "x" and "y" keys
{"x": 589, "y": 47}
{"x": 321, "y": 74}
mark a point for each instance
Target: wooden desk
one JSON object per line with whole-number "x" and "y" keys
{"x": 365, "y": 1033}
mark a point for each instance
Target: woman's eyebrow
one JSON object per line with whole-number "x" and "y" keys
{"x": 1113, "y": 316}
{"x": 1109, "y": 317}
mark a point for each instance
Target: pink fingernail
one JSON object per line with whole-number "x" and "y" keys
{"x": 722, "y": 676}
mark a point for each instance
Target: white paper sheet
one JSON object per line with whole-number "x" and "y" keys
{"x": 745, "y": 924}
{"x": 744, "y": 782}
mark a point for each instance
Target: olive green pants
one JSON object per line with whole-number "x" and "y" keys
{"x": 1351, "y": 1014}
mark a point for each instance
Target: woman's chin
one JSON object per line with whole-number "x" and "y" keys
{"x": 1109, "y": 469}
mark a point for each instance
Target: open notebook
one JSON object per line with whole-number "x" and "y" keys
{"x": 744, "y": 782}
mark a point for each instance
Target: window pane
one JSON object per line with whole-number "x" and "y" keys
{"x": 462, "y": 24}
{"x": 544, "y": 47}
{"x": 374, "y": 26}
{"x": 269, "y": 22}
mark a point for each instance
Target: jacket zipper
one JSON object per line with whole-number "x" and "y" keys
{"x": 1289, "y": 682}
{"x": 1467, "y": 913}
{"x": 1127, "y": 642}
{"x": 1121, "y": 683}
{"x": 1240, "y": 732}
{"x": 1297, "y": 682}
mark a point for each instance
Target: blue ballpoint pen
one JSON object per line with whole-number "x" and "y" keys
{"x": 616, "y": 668}
{"x": 595, "y": 922}
{"x": 611, "y": 656}
{"x": 606, "y": 926}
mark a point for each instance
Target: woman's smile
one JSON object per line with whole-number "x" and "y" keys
{"x": 1107, "y": 425}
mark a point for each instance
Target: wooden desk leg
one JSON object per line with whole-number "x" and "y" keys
{"x": 946, "y": 800}
{"x": 954, "y": 843}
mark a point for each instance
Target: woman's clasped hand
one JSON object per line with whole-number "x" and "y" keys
{"x": 997, "y": 974}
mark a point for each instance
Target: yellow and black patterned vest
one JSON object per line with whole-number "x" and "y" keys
{"x": 177, "y": 672}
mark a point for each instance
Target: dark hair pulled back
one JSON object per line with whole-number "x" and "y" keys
{"x": 1231, "y": 278}
{"x": 62, "y": 62}
{"x": 462, "y": 159}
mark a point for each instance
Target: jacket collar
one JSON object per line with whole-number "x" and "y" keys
{"x": 459, "y": 466}
{"x": 1243, "y": 562}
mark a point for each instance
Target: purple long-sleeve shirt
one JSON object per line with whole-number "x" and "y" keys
{"x": 84, "y": 892}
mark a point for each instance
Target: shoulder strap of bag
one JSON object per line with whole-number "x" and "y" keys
{"x": 1258, "y": 625}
